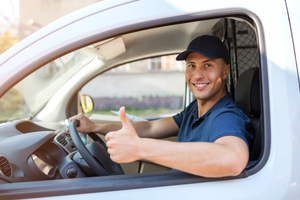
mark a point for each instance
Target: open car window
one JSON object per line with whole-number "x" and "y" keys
{"x": 143, "y": 86}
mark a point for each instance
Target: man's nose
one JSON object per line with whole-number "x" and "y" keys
{"x": 198, "y": 73}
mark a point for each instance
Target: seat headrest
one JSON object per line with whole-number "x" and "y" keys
{"x": 247, "y": 91}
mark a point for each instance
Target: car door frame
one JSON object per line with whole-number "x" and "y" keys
{"x": 159, "y": 179}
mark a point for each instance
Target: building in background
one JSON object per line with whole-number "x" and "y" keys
{"x": 35, "y": 14}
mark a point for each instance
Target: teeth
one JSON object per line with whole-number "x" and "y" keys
{"x": 200, "y": 85}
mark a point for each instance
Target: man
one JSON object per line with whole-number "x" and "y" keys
{"x": 213, "y": 132}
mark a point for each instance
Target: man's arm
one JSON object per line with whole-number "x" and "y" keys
{"x": 227, "y": 156}
{"x": 161, "y": 128}
{"x": 157, "y": 129}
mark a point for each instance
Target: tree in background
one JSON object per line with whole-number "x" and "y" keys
{"x": 7, "y": 40}
{"x": 8, "y": 24}
{"x": 10, "y": 103}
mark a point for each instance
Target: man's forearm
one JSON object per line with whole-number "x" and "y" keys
{"x": 199, "y": 158}
{"x": 103, "y": 129}
{"x": 141, "y": 127}
{"x": 146, "y": 129}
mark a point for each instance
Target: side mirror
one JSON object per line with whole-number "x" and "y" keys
{"x": 86, "y": 103}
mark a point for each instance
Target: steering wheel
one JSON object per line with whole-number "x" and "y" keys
{"x": 95, "y": 154}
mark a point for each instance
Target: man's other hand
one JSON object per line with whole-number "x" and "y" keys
{"x": 123, "y": 145}
{"x": 85, "y": 125}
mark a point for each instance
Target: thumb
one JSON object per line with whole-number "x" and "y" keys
{"x": 124, "y": 120}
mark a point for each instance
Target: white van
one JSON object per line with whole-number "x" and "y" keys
{"x": 53, "y": 74}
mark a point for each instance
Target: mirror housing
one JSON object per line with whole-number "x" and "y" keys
{"x": 86, "y": 103}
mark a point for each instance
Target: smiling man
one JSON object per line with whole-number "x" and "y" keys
{"x": 213, "y": 132}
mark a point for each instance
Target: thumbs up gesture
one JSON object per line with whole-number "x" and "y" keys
{"x": 123, "y": 145}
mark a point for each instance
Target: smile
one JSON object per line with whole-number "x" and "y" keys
{"x": 200, "y": 85}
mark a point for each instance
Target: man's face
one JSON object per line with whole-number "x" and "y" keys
{"x": 205, "y": 76}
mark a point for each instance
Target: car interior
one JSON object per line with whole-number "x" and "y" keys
{"x": 36, "y": 147}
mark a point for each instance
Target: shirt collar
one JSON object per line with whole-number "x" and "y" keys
{"x": 220, "y": 104}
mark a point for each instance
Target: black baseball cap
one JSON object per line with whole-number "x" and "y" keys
{"x": 208, "y": 46}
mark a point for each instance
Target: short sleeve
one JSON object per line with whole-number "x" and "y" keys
{"x": 178, "y": 118}
{"x": 182, "y": 115}
{"x": 231, "y": 123}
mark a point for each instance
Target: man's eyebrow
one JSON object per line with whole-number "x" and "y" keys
{"x": 191, "y": 62}
{"x": 209, "y": 60}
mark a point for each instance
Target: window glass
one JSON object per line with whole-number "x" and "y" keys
{"x": 148, "y": 88}
{"x": 30, "y": 95}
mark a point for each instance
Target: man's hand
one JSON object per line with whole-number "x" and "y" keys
{"x": 85, "y": 125}
{"x": 123, "y": 145}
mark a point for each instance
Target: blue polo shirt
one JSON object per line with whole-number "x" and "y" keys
{"x": 225, "y": 118}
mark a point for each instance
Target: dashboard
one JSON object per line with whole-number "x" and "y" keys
{"x": 30, "y": 152}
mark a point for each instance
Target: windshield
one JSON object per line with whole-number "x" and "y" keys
{"x": 32, "y": 93}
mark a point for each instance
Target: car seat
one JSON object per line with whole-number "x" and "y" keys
{"x": 247, "y": 95}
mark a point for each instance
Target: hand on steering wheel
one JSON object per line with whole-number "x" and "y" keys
{"x": 95, "y": 154}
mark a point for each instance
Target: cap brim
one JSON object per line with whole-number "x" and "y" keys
{"x": 183, "y": 55}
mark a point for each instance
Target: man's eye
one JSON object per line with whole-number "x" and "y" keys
{"x": 207, "y": 65}
{"x": 191, "y": 65}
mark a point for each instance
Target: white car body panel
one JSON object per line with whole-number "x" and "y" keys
{"x": 280, "y": 177}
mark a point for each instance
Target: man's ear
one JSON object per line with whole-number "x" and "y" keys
{"x": 226, "y": 71}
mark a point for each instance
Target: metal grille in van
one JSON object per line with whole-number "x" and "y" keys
{"x": 247, "y": 52}
{"x": 240, "y": 38}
